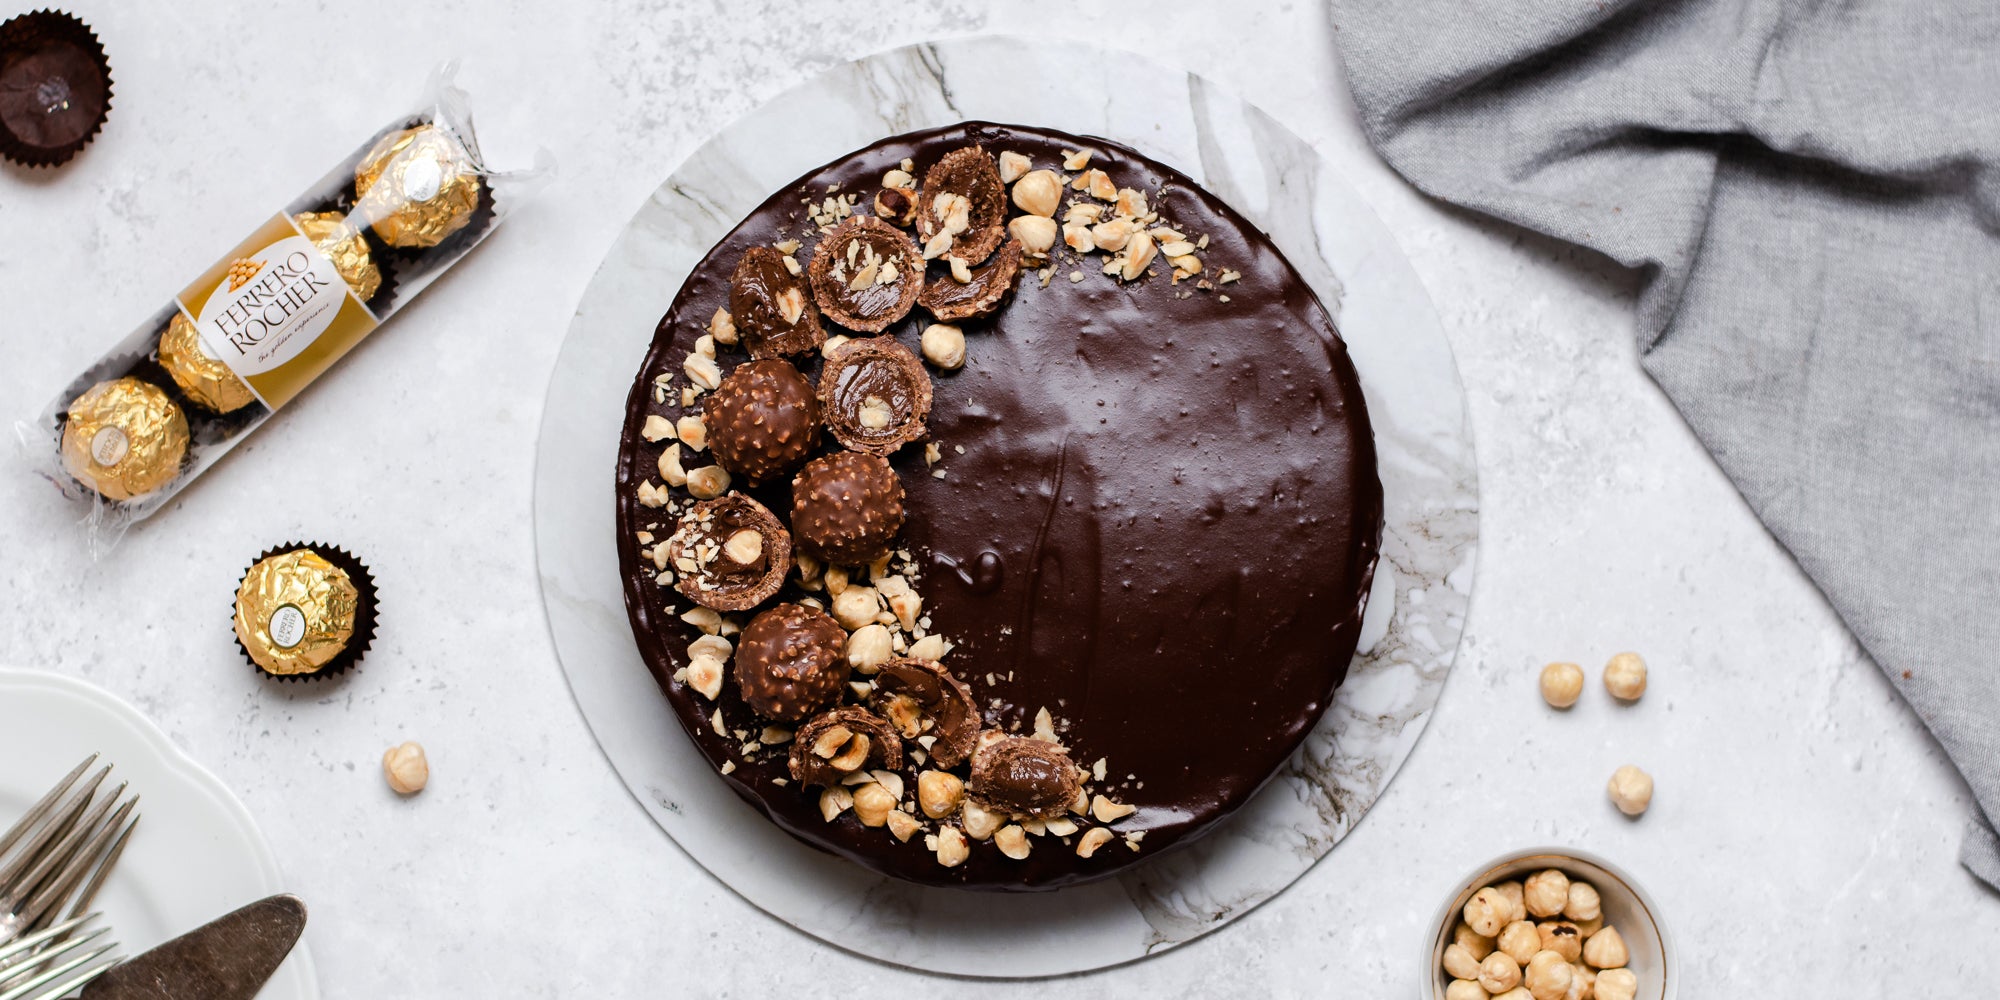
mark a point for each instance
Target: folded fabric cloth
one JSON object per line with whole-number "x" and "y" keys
{"x": 1811, "y": 193}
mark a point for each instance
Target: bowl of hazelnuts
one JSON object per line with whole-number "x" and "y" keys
{"x": 1549, "y": 923}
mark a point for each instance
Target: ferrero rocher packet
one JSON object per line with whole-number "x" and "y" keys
{"x": 273, "y": 314}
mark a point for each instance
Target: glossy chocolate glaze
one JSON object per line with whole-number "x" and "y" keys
{"x": 1162, "y": 526}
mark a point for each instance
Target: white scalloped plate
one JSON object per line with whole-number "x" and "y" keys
{"x": 196, "y": 853}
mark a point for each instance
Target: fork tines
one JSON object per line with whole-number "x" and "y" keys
{"x": 52, "y": 863}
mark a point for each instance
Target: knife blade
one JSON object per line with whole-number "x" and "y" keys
{"x": 228, "y": 958}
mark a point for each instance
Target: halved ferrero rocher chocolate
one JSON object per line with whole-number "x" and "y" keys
{"x": 922, "y": 698}
{"x": 201, "y": 375}
{"x": 949, "y": 299}
{"x": 962, "y": 207}
{"x": 729, "y": 553}
{"x": 791, "y": 661}
{"x": 416, "y": 186}
{"x": 835, "y": 744}
{"x": 763, "y": 420}
{"x": 342, "y": 244}
{"x": 847, "y": 507}
{"x": 874, "y": 395}
{"x": 1024, "y": 776}
{"x": 866, "y": 274}
{"x": 124, "y": 438}
{"x": 772, "y": 308}
{"x": 305, "y": 611}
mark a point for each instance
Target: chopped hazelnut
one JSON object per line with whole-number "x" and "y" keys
{"x": 1499, "y": 973}
{"x": 980, "y": 822}
{"x": 902, "y": 825}
{"x": 703, "y": 371}
{"x": 1111, "y": 235}
{"x": 1012, "y": 166}
{"x": 834, "y": 801}
{"x": 1561, "y": 684}
{"x": 952, "y": 850}
{"x": 1631, "y": 790}
{"x": 1108, "y": 811}
{"x": 1547, "y": 976}
{"x": 1076, "y": 159}
{"x": 744, "y": 547}
{"x": 693, "y": 432}
{"x": 670, "y": 466}
{"x": 1076, "y": 236}
{"x": 1606, "y": 949}
{"x": 1139, "y": 252}
{"x": 1131, "y": 202}
{"x": 1546, "y": 892}
{"x": 1617, "y": 984}
{"x": 1092, "y": 839}
{"x": 856, "y": 607}
{"x": 1012, "y": 841}
{"x": 722, "y": 327}
{"x": 939, "y": 793}
{"x": 407, "y": 769}
{"x": 1037, "y": 234}
{"x": 1625, "y": 677}
{"x": 869, "y": 647}
{"x": 657, "y": 428}
{"x": 1519, "y": 940}
{"x": 944, "y": 346}
{"x": 704, "y": 674}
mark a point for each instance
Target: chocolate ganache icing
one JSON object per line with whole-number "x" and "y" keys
{"x": 1145, "y": 515}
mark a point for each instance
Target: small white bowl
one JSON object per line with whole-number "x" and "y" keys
{"x": 1626, "y": 907}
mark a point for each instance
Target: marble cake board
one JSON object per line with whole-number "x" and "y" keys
{"x": 1415, "y": 614}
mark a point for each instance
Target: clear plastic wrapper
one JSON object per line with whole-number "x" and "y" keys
{"x": 272, "y": 315}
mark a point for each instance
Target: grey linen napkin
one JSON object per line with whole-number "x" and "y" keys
{"x": 1811, "y": 194}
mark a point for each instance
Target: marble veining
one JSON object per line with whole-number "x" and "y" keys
{"x": 1416, "y": 612}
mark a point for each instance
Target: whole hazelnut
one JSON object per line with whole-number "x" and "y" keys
{"x": 1486, "y": 911}
{"x": 1519, "y": 940}
{"x": 1589, "y": 927}
{"x": 1582, "y": 981}
{"x": 1038, "y": 192}
{"x": 1511, "y": 891}
{"x": 1562, "y": 683}
{"x": 1499, "y": 973}
{"x": 1478, "y": 944}
{"x": 1546, "y": 892}
{"x": 406, "y": 768}
{"x": 1631, "y": 790}
{"x": 1464, "y": 989}
{"x": 1517, "y": 993}
{"x": 1584, "y": 903}
{"x": 1625, "y": 677}
{"x": 1606, "y": 949}
{"x": 944, "y": 346}
{"x": 1561, "y": 937}
{"x": 1548, "y": 976}
{"x": 1459, "y": 963}
{"x": 1617, "y": 984}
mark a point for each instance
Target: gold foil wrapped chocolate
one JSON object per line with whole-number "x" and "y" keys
{"x": 416, "y": 187}
{"x": 295, "y": 612}
{"x": 201, "y": 375}
{"x": 124, "y": 438}
{"x": 342, "y": 244}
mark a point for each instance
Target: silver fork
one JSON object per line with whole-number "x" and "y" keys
{"x": 59, "y": 854}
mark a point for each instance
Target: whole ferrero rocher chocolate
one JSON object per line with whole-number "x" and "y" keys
{"x": 124, "y": 438}
{"x": 950, "y": 300}
{"x": 304, "y": 612}
{"x": 416, "y": 187}
{"x": 837, "y": 743}
{"x": 866, "y": 274}
{"x": 962, "y": 206}
{"x": 921, "y": 696}
{"x": 1024, "y": 776}
{"x": 730, "y": 553}
{"x": 342, "y": 244}
{"x": 200, "y": 375}
{"x": 772, "y": 307}
{"x": 790, "y": 662}
{"x": 847, "y": 507}
{"x": 763, "y": 420}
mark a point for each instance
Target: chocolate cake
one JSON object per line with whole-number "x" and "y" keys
{"x": 1119, "y": 504}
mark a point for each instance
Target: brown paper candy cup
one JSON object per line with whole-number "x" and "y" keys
{"x": 55, "y": 88}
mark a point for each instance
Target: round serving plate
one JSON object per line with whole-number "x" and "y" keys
{"x": 1415, "y": 614}
{"x": 196, "y": 853}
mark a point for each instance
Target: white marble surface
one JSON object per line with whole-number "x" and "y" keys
{"x": 1804, "y": 833}
{"x": 1416, "y": 409}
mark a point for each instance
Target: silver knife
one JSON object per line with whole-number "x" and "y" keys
{"x": 229, "y": 958}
